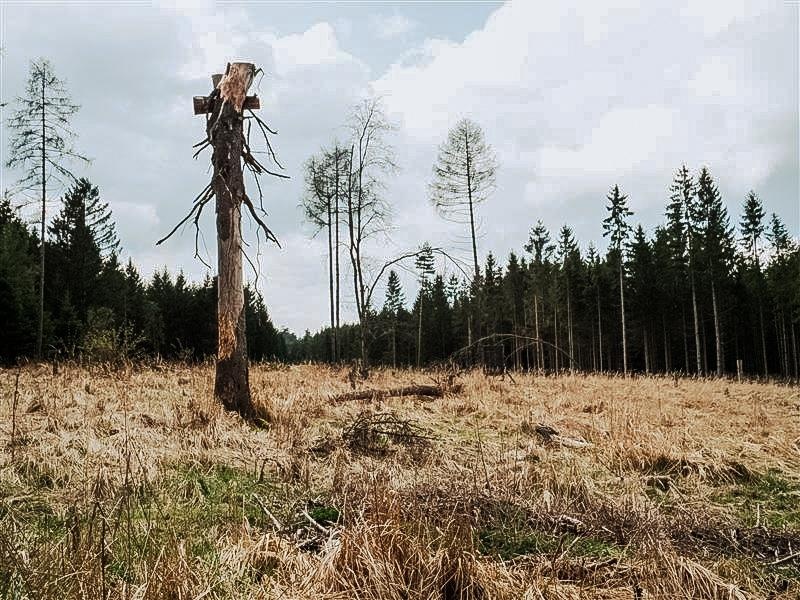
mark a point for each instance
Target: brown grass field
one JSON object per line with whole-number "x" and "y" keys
{"x": 135, "y": 484}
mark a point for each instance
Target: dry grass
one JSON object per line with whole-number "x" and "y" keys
{"x": 137, "y": 485}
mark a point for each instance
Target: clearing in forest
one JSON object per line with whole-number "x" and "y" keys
{"x": 135, "y": 484}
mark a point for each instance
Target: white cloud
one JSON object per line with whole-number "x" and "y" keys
{"x": 316, "y": 46}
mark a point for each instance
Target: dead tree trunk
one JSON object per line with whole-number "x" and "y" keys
{"x": 225, "y": 132}
{"x": 231, "y": 151}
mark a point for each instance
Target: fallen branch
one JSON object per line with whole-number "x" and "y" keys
{"x": 433, "y": 391}
{"x": 785, "y": 559}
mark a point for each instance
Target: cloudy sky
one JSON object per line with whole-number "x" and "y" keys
{"x": 574, "y": 99}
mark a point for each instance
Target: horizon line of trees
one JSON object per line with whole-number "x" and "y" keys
{"x": 695, "y": 297}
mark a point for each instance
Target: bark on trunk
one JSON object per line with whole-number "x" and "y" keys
{"x": 717, "y": 334}
{"x": 330, "y": 281}
{"x": 569, "y": 332}
{"x": 599, "y": 330}
{"x": 336, "y": 249}
{"x": 419, "y": 327}
{"x": 685, "y": 341}
{"x": 224, "y": 130}
{"x": 555, "y": 336}
{"x": 622, "y": 310}
{"x": 539, "y": 345}
{"x": 763, "y": 339}
{"x": 696, "y": 325}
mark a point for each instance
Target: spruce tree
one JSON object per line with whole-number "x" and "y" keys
{"x": 616, "y": 227}
{"x": 76, "y": 251}
{"x": 681, "y": 214}
{"x": 541, "y": 249}
{"x": 424, "y": 263}
{"x": 393, "y": 304}
{"x": 716, "y": 239}
{"x": 642, "y": 284}
{"x": 569, "y": 257}
{"x": 752, "y": 229}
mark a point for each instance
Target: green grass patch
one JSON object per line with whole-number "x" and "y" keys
{"x": 508, "y": 533}
{"x": 772, "y": 496}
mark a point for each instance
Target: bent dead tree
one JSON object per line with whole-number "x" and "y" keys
{"x": 225, "y": 133}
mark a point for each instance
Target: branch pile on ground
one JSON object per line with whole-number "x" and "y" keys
{"x": 373, "y": 433}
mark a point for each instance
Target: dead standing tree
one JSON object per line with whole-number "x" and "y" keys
{"x": 225, "y": 133}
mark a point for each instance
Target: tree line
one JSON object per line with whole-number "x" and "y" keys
{"x": 696, "y": 295}
{"x": 699, "y": 295}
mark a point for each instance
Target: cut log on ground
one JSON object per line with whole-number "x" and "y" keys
{"x": 432, "y": 391}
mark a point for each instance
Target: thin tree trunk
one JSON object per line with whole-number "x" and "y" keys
{"x": 231, "y": 386}
{"x": 696, "y": 322}
{"x": 354, "y": 230}
{"x": 539, "y": 345}
{"x": 785, "y": 345}
{"x": 763, "y": 339}
{"x": 569, "y": 332}
{"x": 468, "y": 159}
{"x": 778, "y": 341}
{"x": 419, "y": 328}
{"x": 667, "y": 345}
{"x": 794, "y": 351}
{"x": 527, "y": 331}
{"x": 555, "y": 335}
{"x": 40, "y": 330}
{"x": 717, "y": 335}
{"x": 704, "y": 334}
{"x": 622, "y": 310}
{"x": 685, "y": 341}
{"x": 330, "y": 282}
{"x": 394, "y": 342}
{"x": 336, "y": 250}
{"x": 646, "y": 351}
{"x": 599, "y": 330}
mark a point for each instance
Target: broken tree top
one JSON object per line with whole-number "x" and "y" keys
{"x": 231, "y": 87}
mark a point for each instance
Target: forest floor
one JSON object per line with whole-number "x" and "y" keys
{"x": 135, "y": 484}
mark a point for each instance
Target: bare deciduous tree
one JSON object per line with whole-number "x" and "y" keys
{"x": 326, "y": 183}
{"x": 366, "y": 211}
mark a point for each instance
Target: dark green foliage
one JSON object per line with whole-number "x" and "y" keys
{"x": 18, "y": 275}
